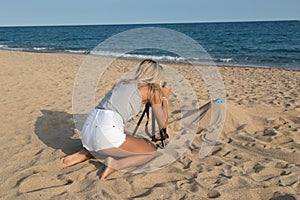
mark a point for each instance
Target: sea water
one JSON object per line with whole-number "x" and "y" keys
{"x": 272, "y": 44}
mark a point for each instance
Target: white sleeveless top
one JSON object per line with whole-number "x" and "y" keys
{"x": 125, "y": 99}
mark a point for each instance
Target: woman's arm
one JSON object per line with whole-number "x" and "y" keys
{"x": 161, "y": 115}
{"x": 160, "y": 107}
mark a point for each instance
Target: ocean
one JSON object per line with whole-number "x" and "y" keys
{"x": 272, "y": 44}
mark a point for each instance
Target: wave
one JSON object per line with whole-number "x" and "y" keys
{"x": 167, "y": 58}
{"x": 6, "y": 47}
{"x": 265, "y": 62}
{"x": 140, "y": 56}
{"x": 3, "y": 46}
{"x": 226, "y": 60}
{"x": 44, "y": 49}
{"x": 77, "y": 51}
{"x": 40, "y": 48}
{"x": 163, "y": 58}
{"x": 59, "y": 49}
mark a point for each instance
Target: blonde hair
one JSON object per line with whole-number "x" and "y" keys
{"x": 151, "y": 73}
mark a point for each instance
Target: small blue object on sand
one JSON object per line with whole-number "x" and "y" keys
{"x": 218, "y": 100}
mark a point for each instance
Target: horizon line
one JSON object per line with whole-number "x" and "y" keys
{"x": 153, "y": 23}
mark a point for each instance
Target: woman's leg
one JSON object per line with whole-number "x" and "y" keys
{"x": 75, "y": 158}
{"x": 136, "y": 152}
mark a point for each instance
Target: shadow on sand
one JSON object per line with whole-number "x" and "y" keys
{"x": 56, "y": 130}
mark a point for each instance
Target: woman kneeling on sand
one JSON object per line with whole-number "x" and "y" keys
{"x": 103, "y": 130}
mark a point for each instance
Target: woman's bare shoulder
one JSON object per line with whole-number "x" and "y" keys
{"x": 142, "y": 85}
{"x": 143, "y": 89}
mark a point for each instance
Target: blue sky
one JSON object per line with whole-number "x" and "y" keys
{"x": 38, "y": 12}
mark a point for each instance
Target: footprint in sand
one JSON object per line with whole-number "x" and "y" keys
{"x": 252, "y": 167}
{"x": 281, "y": 140}
{"x": 279, "y": 196}
{"x": 288, "y": 180}
{"x": 212, "y": 193}
{"x": 39, "y": 181}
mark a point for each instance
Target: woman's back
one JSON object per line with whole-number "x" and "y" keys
{"x": 125, "y": 99}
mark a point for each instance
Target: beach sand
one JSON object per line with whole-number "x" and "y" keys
{"x": 257, "y": 155}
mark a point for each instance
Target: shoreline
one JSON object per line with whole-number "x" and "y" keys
{"x": 167, "y": 62}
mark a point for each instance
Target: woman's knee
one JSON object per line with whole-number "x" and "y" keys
{"x": 153, "y": 154}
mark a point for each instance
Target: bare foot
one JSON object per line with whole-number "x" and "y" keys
{"x": 75, "y": 158}
{"x": 109, "y": 169}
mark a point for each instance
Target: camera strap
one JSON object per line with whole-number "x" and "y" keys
{"x": 163, "y": 132}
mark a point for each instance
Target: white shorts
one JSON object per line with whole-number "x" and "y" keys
{"x": 103, "y": 129}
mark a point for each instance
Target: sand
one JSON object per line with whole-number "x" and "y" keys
{"x": 256, "y": 157}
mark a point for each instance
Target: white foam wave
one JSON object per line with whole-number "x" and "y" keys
{"x": 139, "y": 56}
{"x": 223, "y": 60}
{"x": 40, "y": 48}
{"x": 2, "y": 46}
{"x": 53, "y": 49}
{"x": 6, "y": 47}
{"x": 76, "y": 51}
